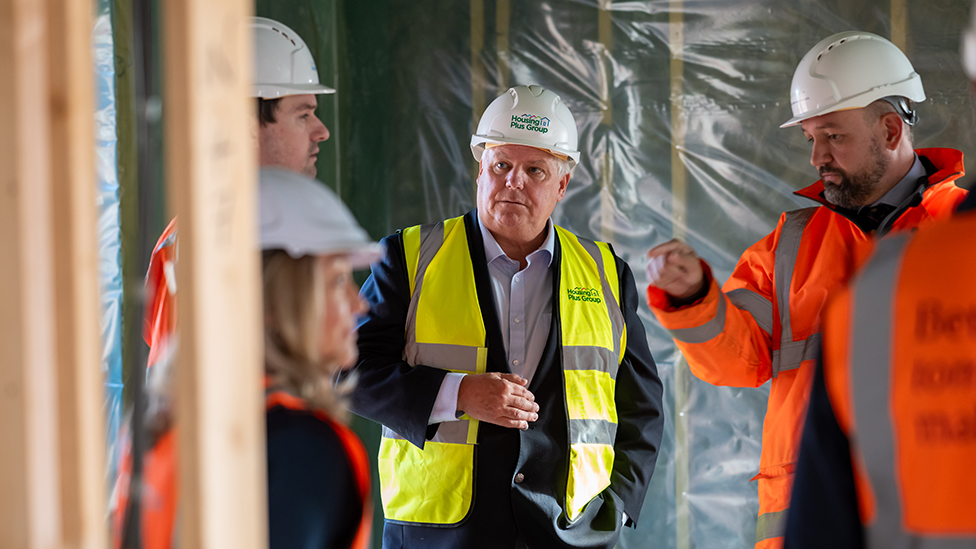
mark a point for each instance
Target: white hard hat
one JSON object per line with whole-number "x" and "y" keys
{"x": 283, "y": 64}
{"x": 969, "y": 46}
{"x": 851, "y": 70}
{"x": 528, "y": 115}
{"x": 304, "y": 217}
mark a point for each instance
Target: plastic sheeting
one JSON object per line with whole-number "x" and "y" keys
{"x": 678, "y": 106}
{"x": 109, "y": 231}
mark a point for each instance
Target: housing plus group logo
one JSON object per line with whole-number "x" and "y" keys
{"x": 582, "y": 293}
{"x": 531, "y": 122}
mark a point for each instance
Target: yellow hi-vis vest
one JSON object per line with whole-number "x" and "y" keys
{"x": 445, "y": 330}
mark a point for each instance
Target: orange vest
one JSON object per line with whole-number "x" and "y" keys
{"x": 764, "y": 324}
{"x": 159, "y": 322}
{"x": 160, "y": 485}
{"x": 900, "y": 370}
{"x": 160, "y": 492}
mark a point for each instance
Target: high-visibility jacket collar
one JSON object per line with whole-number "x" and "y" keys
{"x": 948, "y": 166}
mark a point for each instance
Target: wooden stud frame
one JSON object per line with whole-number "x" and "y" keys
{"x": 80, "y": 378}
{"x": 211, "y": 165}
{"x": 52, "y": 455}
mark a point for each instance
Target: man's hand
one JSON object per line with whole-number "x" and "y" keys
{"x": 675, "y": 268}
{"x": 501, "y": 399}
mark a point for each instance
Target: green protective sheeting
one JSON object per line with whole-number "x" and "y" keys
{"x": 677, "y": 104}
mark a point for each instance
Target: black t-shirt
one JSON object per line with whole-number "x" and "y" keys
{"x": 313, "y": 502}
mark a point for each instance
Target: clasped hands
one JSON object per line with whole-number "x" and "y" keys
{"x": 501, "y": 399}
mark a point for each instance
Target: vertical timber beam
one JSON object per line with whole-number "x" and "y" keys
{"x": 899, "y": 24}
{"x": 477, "y": 73}
{"x": 211, "y": 168}
{"x": 503, "y": 23}
{"x": 80, "y": 383}
{"x": 29, "y": 467}
{"x": 605, "y": 36}
{"x": 682, "y": 457}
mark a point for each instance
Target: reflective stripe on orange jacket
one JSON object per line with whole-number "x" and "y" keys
{"x": 900, "y": 370}
{"x": 764, "y": 324}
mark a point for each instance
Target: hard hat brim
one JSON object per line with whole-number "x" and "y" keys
{"x": 478, "y": 147}
{"x": 905, "y": 89}
{"x": 363, "y": 257}
{"x": 304, "y": 217}
{"x": 274, "y": 91}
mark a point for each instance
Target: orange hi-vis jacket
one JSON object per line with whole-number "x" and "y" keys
{"x": 160, "y": 493}
{"x": 159, "y": 322}
{"x": 764, "y": 324}
{"x": 900, "y": 370}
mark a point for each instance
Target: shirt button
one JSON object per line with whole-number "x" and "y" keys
{"x": 515, "y": 278}
{"x": 515, "y": 362}
{"x": 519, "y": 477}
{"x": 516, "y": 320}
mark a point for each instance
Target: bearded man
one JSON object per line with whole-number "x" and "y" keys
{"x": 854, "y": 95}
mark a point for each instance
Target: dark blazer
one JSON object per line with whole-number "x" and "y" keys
{"x": 506, "y": 513}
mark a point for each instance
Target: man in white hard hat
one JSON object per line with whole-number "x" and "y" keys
{"x": 286, "y": 84}
{"x": 890, "y": 436}
{"x": 854, "y": 95}
{"x": 504, "y": 357}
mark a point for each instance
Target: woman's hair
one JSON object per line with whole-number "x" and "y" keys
{"x": 294, "y": 310}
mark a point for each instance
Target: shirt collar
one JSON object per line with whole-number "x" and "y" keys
{"x": 905, "y": 187}
{"x": 493, "y": 250}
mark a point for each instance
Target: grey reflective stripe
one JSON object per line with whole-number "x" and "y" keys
{"x": 170, "y": 240}
{"x": 613, "y": 308}
{"x": 771, "y": 525}
{"x": 870, "y": 384}
{"x": 462, "y": 358}
{"x": 792, "y": 354}
{"x": 592, "y": 431}
{"x": 585, "y": 357}
{"x": 455, "y": 432}
{"x": 787, "y": 251}
{"x": 756, "y": 305}
{"x": 705, "y": 332}
{"x": 431, "y": 240}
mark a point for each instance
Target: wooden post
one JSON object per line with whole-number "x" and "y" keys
{"x": 29, "y": 466}
{"x": 679, "y": 230}
{"x": 211, "y": 167}
{"x": 80, "y": 380}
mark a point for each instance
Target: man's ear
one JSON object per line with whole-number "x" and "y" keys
{"x": 894, "y": 130}
{"x": 481, "y": 166}
{"x": 563, "y": 185}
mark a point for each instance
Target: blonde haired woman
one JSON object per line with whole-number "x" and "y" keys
{"x": 318, "y": 473}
